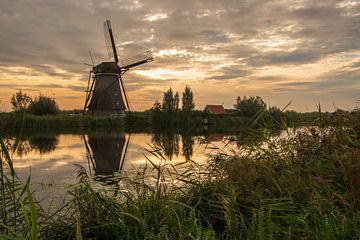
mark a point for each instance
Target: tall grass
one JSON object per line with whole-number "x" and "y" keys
{"x": 18, "y": 212}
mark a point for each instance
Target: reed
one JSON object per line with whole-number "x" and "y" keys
{"x": 18, "y": 212}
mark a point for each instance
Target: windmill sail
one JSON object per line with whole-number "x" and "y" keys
{"x": 137, "y": 60}
{"x": 110, "y": 42}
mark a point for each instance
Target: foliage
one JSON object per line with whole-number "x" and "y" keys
{"x": 176, "y": 102}
{"x": 249, "y": 107}
{"x": 167, "y": 114}
{"x": 20, "y": 101}
{"x": 170, "y": 102}
{"x": 156, "y": 107}
{"x": 188, "y": 103}
{"x": 44, "y": 105}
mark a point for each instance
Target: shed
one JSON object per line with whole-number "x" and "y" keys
{"x": 215, "y": 109}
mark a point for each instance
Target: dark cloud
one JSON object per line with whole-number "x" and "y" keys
{"x": 61, "y": 33}
{"x": 50, "y": 85}
{"x": 347, "y": 77}
{"x": 283, "y": 58}
{"x": 269, "y": 78}
{"x": 295, "y": 84}
{"x": 232, "y": 72}
{"x": 76, "y": 88}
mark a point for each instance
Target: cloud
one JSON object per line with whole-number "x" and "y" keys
{"x": 232, "y": 72}
{"x": 192, "y": 41}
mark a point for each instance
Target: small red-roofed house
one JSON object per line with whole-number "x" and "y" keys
{"x": 215, "y": 109}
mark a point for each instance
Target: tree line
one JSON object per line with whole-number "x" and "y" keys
{"x": 171, "y": 101}
{"x": 168, "y": 113}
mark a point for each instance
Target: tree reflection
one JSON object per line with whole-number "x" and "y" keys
{"x": 168, "y": 142}
{"x": 187, "y": 145}
{"x": 44, "y": 144}
{"x": 23, "y": 147}
{"x": 106, "y": 152}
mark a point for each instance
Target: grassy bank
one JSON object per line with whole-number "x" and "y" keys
{"x": 303, "y": 186}
{"x": 194, "y": 121}
{"x": 58, "y": 122}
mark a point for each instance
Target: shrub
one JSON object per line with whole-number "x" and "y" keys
{"x": 44, "y": 105}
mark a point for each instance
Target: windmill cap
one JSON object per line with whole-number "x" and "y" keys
{"x": 106, "y": 67}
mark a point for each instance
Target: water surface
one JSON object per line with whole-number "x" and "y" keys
{"x": 52, "y": 159}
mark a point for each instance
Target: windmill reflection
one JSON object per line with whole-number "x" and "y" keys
{"x": 106, "y": 152}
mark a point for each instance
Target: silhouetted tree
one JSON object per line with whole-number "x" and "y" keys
{"x": 156, "y": 107}
{"x": 43, "y": 105}
{"x": 176, "y": 101}
{"x": 276, "y": 114}
{"x": 168, "y": 101}
{"x": 188, "y": 99}
{"x": 157, "y": 116}
{"x": 248, "y": 107}
{"x": 20, "y": 101}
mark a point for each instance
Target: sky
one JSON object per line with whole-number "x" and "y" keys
{"x": 299, "y": 51}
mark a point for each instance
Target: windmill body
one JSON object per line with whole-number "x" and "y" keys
{"x": 107, "y": 96}
{"x": 105, "y": 93}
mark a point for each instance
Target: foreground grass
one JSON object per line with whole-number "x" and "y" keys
{"x": 304, "y": 186}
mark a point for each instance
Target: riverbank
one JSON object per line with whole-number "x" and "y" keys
{"x": 149, "y": 121}
{"x": 61, "y": 121}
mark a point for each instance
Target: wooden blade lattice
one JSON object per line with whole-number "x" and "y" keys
{"x": 137, "y": 60}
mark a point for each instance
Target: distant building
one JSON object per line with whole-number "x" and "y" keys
{"x": 215, "y": 109}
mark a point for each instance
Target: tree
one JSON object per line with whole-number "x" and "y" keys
{"x": 248, "y": 107}
{"x": 156, "y": 107}
{"x": 276, "y": 114}
{"x": 176, "y": 101}
{"x": 188, "y": 99}
{"x": 43, "y": 105}
{"x": 167, "y": 103}
{"x": 170, "y": 101}
{"x": 20, "y": 101}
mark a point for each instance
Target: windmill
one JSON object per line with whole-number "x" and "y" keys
{"x": 105, "y": 94}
